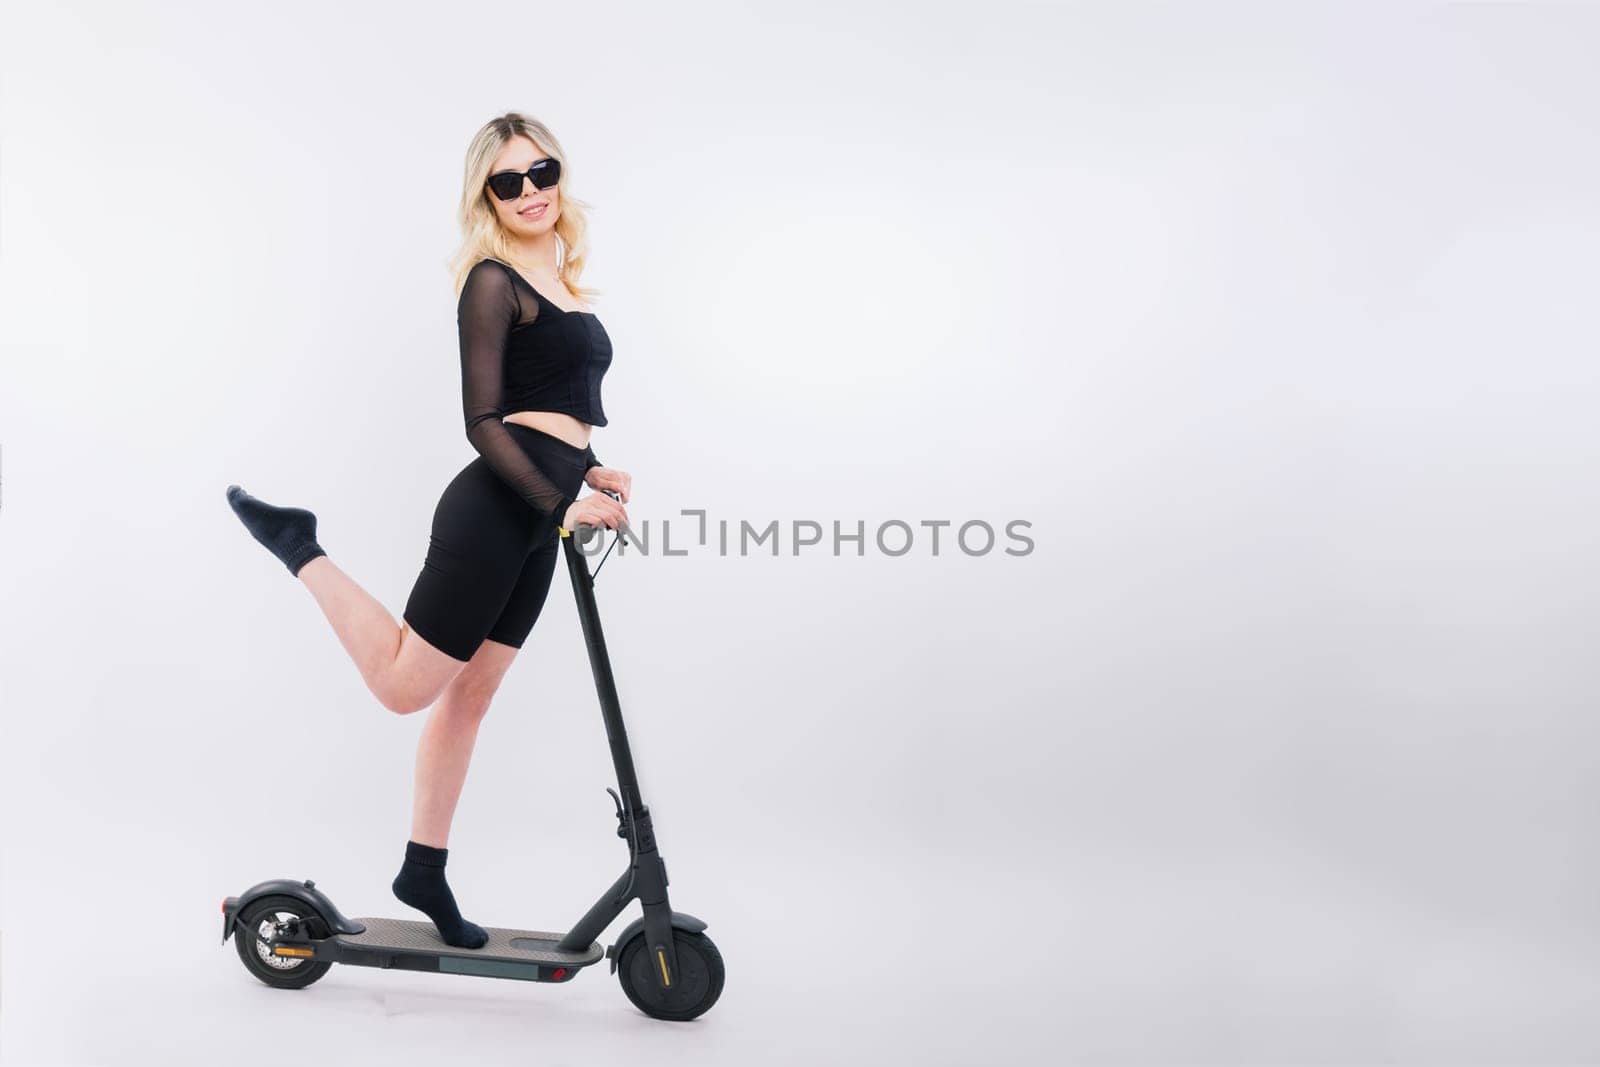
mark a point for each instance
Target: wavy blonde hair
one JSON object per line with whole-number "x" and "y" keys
{"x": 481, "y": 234}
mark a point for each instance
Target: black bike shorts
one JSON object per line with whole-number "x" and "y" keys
{"x": 490, "y": 555}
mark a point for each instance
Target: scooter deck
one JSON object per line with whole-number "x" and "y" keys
{"x": 504, "y": 945}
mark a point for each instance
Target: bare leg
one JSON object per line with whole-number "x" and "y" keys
{"x": 443, "y": 753}
{"x": 445, "y": 748}
{"x": 403, "y": 671}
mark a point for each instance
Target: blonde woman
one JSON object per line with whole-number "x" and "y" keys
{"x": 532, "y": 357}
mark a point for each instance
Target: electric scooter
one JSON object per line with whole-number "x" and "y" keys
{"x": 290, "y": 933}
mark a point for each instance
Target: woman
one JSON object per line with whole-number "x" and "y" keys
{"x": 532, "y": 354}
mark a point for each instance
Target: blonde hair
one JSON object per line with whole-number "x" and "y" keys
{"x": 481, "y": 234}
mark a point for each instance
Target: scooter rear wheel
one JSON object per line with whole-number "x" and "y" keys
{"x": 699, "y": 979}
{"x": 250, "y": 938}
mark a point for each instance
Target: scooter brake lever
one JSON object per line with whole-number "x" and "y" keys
{"x": 622, "y": 822}
{"x": 622, "y": 528}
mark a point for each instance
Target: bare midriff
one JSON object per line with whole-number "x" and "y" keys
{"x": 573, "y": 431}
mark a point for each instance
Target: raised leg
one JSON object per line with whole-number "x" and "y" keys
{"x": 402, "y": 670}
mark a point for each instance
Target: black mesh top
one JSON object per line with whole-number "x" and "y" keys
{"x": 520, "y": 352}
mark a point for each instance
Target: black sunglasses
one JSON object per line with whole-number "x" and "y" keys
{"x": 507, "y": 184}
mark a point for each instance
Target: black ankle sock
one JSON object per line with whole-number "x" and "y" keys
{"x": 289, "y": 533}
{"x": 421, "y": 884}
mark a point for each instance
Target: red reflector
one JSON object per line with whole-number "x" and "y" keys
{"x": 561, "y": 972}
{"x": 224, "y": 905}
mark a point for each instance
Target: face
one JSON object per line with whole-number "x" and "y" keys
{"x": 533, "y": 212}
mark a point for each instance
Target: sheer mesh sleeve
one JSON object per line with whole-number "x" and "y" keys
{"x": 485, "y": 313}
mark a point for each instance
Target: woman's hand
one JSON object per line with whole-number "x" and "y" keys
{"x": 597, "y": 509}
{"x": 598, "y": 478}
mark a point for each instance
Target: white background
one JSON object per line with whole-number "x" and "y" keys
{"x": 1276, "y": 326}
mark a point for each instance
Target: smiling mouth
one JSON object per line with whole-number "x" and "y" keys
{"x": 533, "y": 212}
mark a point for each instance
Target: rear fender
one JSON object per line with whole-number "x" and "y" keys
{"x": 306, "y": 892}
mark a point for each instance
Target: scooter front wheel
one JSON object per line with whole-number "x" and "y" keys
{"x": 697, "y": 986}
{"x": 255, "y": 927}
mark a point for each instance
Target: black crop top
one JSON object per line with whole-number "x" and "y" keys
{"x": 525, "y": 355}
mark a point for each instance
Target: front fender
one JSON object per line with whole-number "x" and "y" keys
{"x": 681, "y": 920}
{"x": 306, "y": 892}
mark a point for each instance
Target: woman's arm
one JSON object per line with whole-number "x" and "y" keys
{"x": 484, "y": 316}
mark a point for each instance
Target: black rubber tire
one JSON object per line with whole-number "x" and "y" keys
{"x": 290, "y": 974}
{"x": 700, "y": 977}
